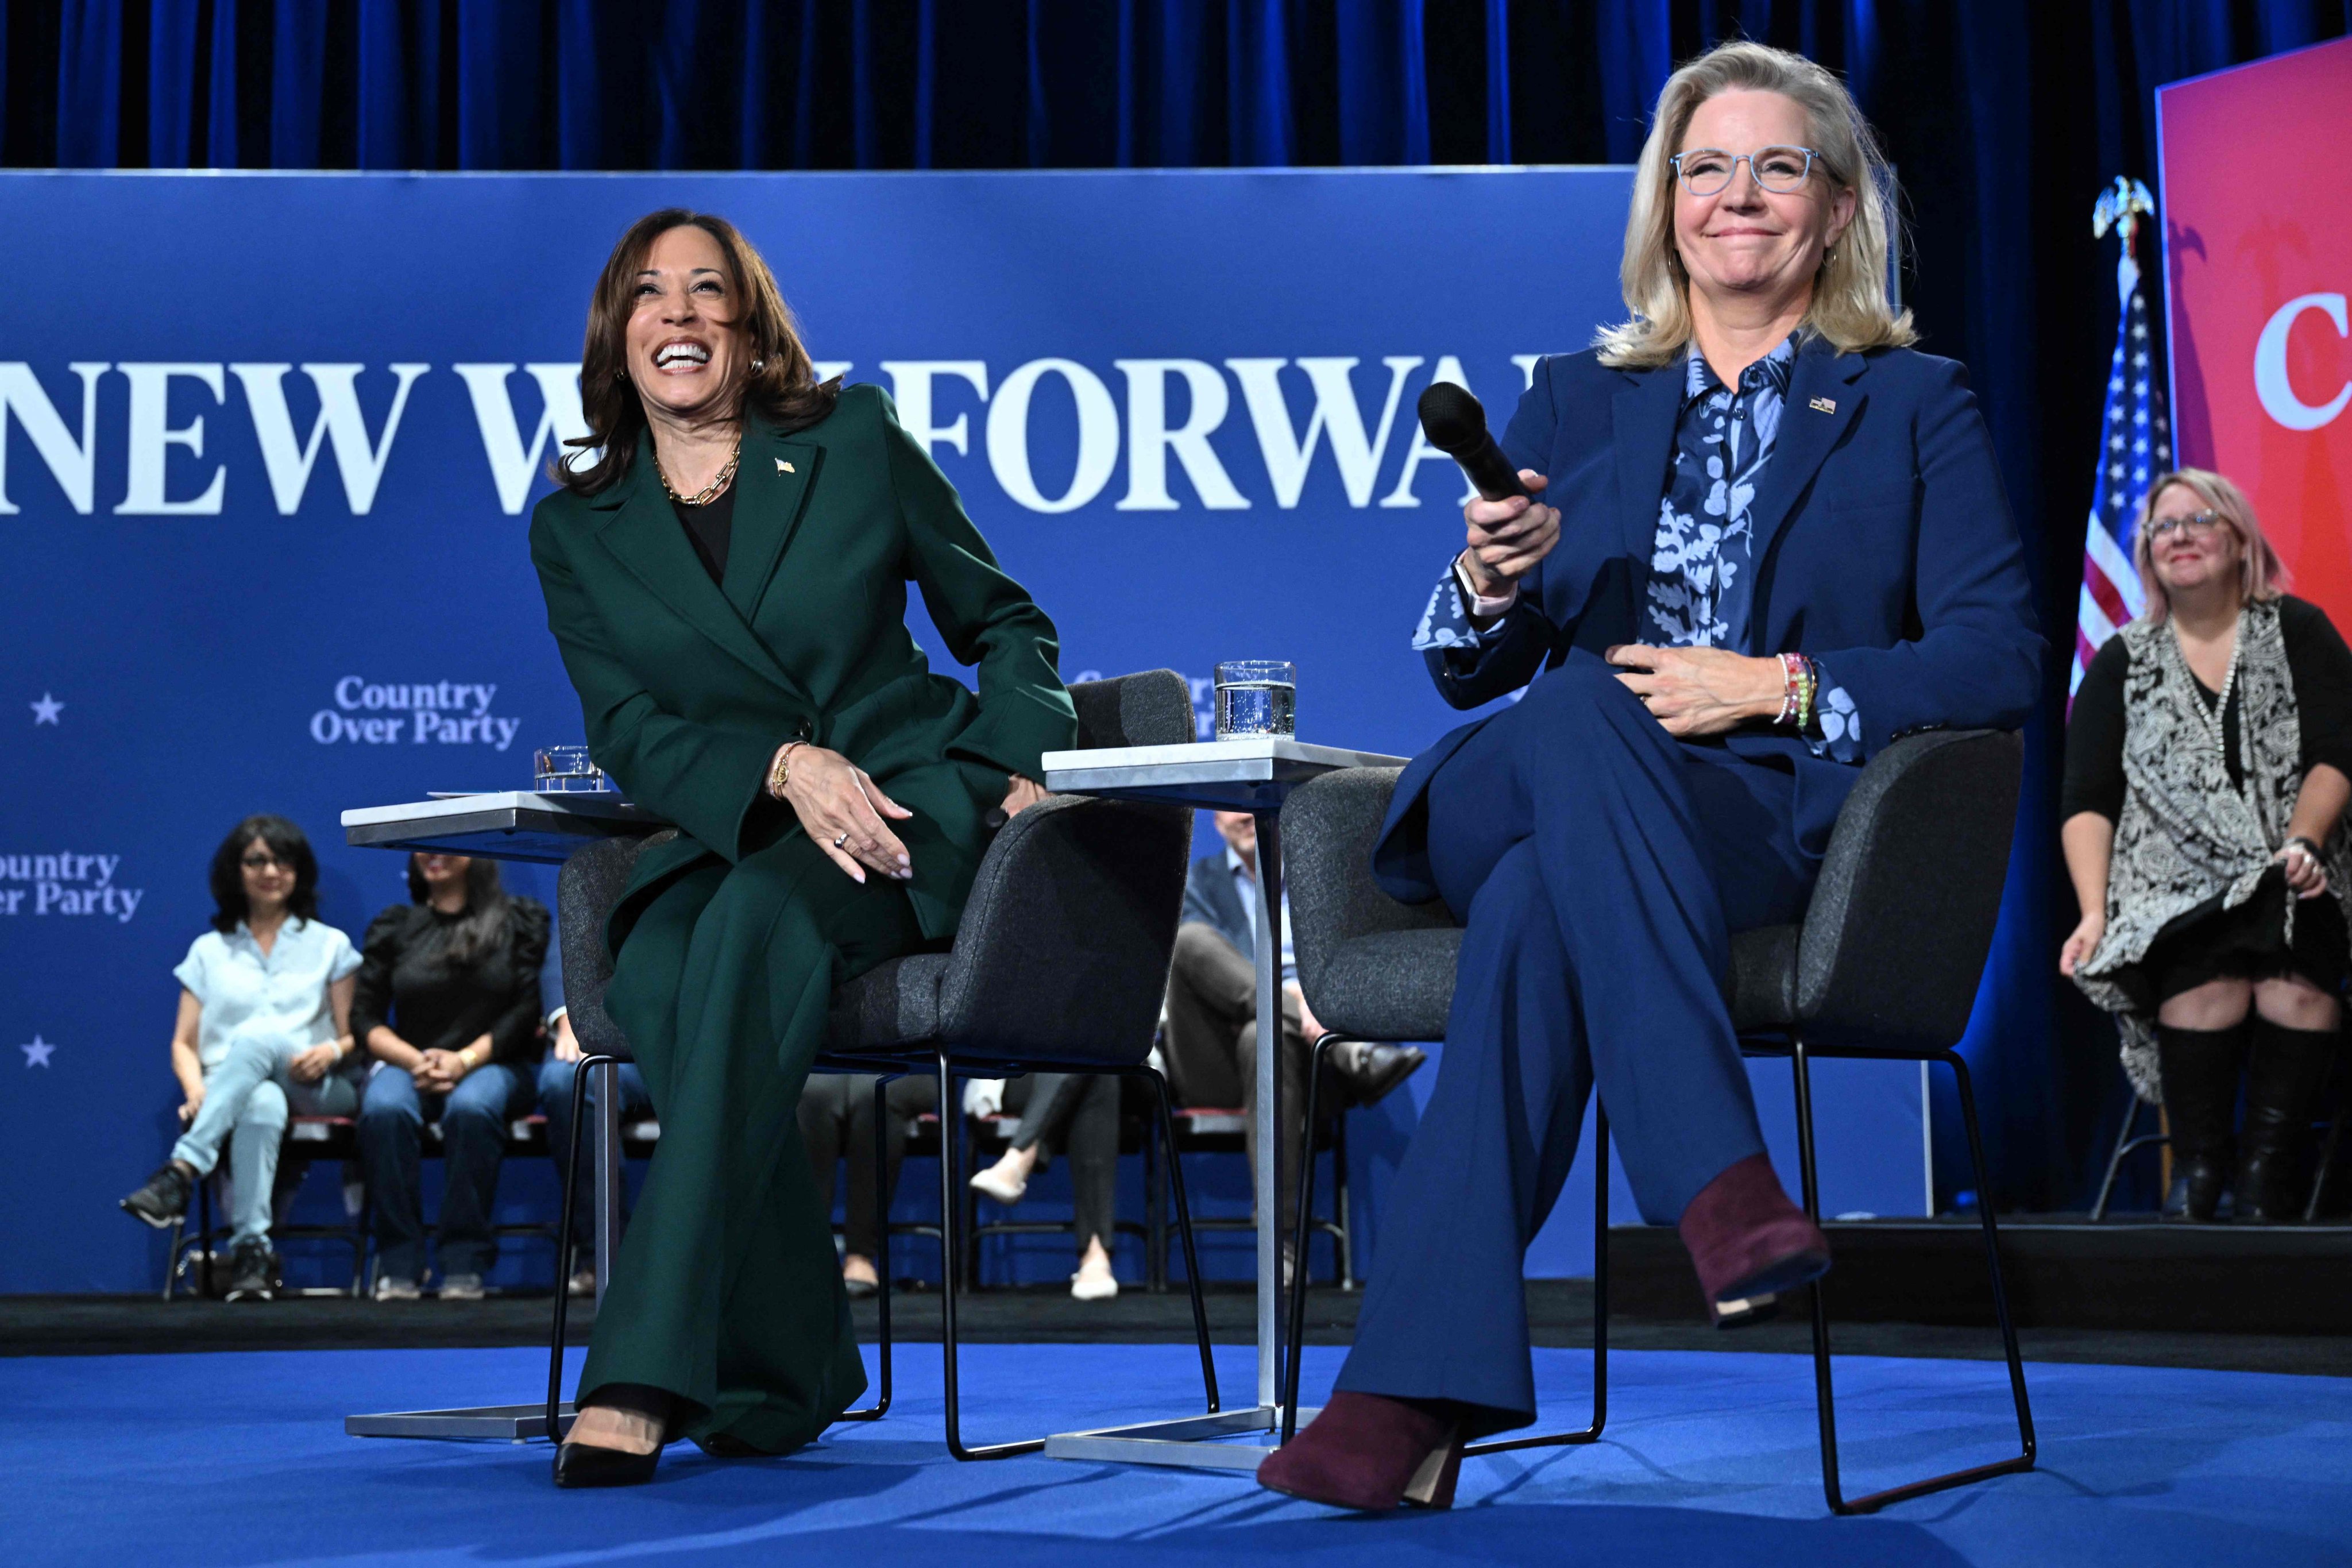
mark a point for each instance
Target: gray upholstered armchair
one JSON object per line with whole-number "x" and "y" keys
{"x": 1058, "y": 964}
{"x": 1886, "y": 964}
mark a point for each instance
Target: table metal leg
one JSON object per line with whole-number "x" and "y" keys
{"x": 1268, "y": 1115}
{"x": 1183, "y": 1442}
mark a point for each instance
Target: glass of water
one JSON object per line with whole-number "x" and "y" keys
{"x": 563, "y": 770}
{"x": 1257, "y": 696}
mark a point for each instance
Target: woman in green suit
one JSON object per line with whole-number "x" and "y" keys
{"x": 726, "y": 569}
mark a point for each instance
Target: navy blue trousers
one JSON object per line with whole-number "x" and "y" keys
{"x": 1599, "y": 867}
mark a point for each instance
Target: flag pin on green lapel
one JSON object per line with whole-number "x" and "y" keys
{"x": 784, "y": 468}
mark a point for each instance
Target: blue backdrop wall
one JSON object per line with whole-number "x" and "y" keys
{"x": 265, "y": 512}
{"x": 2006, "y": 118}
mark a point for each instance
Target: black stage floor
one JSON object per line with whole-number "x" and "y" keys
{"x": 1560, "y": 1313}
{"x": 2228, "y": 1298}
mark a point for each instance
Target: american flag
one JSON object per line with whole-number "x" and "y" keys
{"x": 2135, "y": 446}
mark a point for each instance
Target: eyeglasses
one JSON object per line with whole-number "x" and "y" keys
{"x": 264, "y": 863}
{"x": 1707, "y": 170}
{"x": 2196, "y": 525}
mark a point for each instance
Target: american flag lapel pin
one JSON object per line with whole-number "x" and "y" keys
{"x": 1824, "y": 405}
{"x": 784, "y": 468}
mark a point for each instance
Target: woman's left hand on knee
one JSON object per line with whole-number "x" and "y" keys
{"x": 1700, "y": 690}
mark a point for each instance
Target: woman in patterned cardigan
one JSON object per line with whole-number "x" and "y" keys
{"x": 2208, "y": 759}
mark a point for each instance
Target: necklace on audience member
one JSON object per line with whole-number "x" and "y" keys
{"x": 710, "y": 492}
{"x": 2217, "y": 721}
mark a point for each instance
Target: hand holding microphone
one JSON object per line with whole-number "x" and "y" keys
{"x": 1509, "y": 529}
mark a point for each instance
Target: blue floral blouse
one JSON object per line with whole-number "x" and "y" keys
{"x": 1702, "y": 589}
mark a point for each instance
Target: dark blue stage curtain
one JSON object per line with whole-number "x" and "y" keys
{"x": 2004, "y": 116}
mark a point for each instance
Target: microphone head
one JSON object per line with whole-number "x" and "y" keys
{"x": 1452, "y": 419}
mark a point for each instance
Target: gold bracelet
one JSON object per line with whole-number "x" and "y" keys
{"x": 780, "y": 776}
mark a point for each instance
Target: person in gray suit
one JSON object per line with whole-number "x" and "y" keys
{"x": 1212, "y": 1035}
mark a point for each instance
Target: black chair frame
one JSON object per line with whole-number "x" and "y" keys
{"x": 1331, "y": 1138}
{"x": 1296, "y": 1318}
{"x": 568, "y": 1248}
{"x": 1937, "y": 810}
{"x": 201, "y": 1246}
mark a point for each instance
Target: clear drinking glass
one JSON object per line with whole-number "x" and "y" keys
{"x": 1257, "y": 696}
{"x": 563, "y": 770}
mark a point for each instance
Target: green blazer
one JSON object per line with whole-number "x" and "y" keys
{"x": 687, "y": 687}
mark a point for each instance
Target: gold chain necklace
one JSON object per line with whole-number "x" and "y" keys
{"x": 711, "y": 492}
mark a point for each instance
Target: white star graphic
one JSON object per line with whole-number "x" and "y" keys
{"x": 36, "y": 1055}
{"x": 2139, "y": 362}
{"x": 46, "y": 709}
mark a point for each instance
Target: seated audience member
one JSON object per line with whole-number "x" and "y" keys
{"x": 2209, "y": 758}
{"x": 1212, "y": 1035}
{"x": 448, "y": 1001}
{"x": 555, "y": 1076}
{"x": 838, "y": 1123}
{"x": 263, "y": 1034}
{"x": 1076, "y": 1114}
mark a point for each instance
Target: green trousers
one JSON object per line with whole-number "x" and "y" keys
{"x": 726, "y": 1292}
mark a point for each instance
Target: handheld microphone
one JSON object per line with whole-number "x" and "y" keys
{"x": 1456, "y": 425}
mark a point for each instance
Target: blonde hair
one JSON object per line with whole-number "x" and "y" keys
{"x": 2261, "y": 574}
{"x": 1850, "y": 306}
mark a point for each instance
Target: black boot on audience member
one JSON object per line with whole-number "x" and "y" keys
{"x": 2201, "y": 1095}
{"x": 2283, "y": 1084}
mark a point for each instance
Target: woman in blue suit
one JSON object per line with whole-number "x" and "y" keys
{"x": 1772, "y": 540}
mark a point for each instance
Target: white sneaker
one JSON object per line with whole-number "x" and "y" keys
{"x": 1089, "y": 1284}
{"x": 391, "y": 1289}
{"x": 999, "y": 1184}
{"x": 461, "y": 1287}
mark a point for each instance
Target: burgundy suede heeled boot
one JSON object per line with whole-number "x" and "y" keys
{"x": 1748, "y": 1242}
{"x": 1370, "y": 1452}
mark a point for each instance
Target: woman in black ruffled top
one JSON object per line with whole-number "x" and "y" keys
{"x": 448, "y": 1002}
{"x": 2208, "y": 759}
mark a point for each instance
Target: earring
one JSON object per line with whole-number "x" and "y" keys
{"x": 759, "y": 364}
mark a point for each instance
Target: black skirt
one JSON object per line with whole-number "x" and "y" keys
{"x": 2249, "y": 942}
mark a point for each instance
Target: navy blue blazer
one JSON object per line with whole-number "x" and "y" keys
{"x": 1211, "y": 899}
{"x": 1885, "y": 548}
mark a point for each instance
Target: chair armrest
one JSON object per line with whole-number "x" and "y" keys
{"x": 1894, "y": 942}
{"x": 1328, "y": 828}
{"x": 1063, "y": 950}
{"x": 586, "y": 889}
{"x": 1153, "y": 708}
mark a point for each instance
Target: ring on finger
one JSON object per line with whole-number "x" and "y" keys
{"x": 840, "y": 841}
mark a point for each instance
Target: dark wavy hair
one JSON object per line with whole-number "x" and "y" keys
{"x": 283, "y": 839}
{"x": 782, "y": 384}
{"x": 488, "y": 906}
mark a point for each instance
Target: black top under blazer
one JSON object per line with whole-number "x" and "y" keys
{"x": 1884, "y": 543}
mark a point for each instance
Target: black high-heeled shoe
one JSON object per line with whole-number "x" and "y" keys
{"x": 590, "y": 1465}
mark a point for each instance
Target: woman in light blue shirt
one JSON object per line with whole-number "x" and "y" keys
{"x": 263, "y": 1035}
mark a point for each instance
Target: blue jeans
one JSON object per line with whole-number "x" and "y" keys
{"x": 473, "y": 1117}
{"x": 555, "y": 1104}
{"x": 248, "y": 1097}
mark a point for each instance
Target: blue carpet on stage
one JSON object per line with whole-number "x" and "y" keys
{"x": 1709, "y": 1458}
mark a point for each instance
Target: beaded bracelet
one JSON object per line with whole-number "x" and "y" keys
{"x": 1796, "y": 698}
